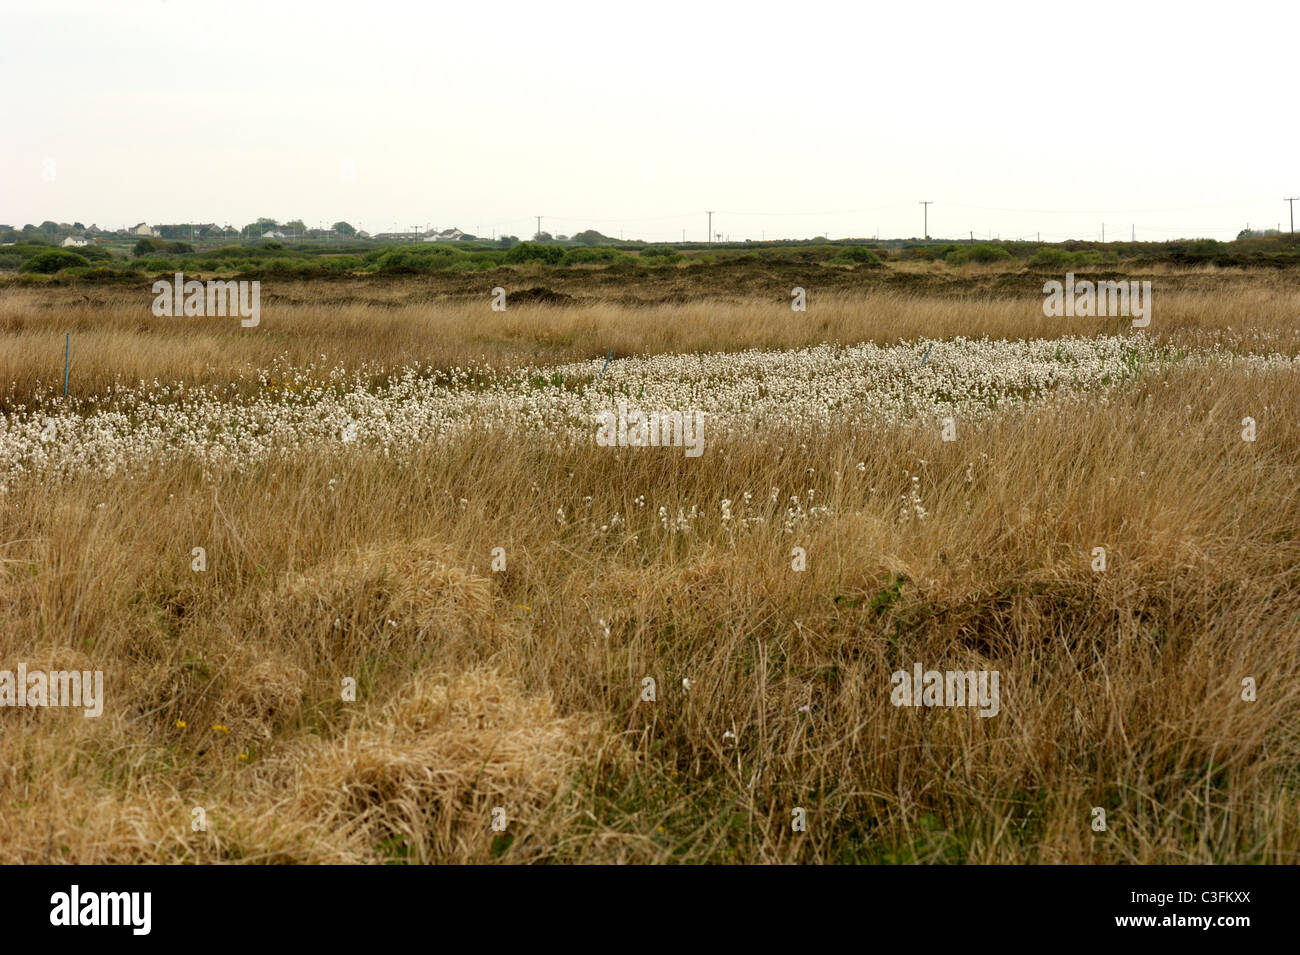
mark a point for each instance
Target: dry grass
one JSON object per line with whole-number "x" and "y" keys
{"x": 478, "y": 689}
{"x": 116, "y": 339}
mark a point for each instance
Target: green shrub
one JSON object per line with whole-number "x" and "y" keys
{"x": 934, "y": 252}
{"x": 856, "y": 255}
{"x": 977, "y": 253}
{"x": 626, "y": 263}
{"x": 92, "y": 253}
{"x": 341, "y": 263}
{"x": 1051, "y": 257}
{"x": 47, "y": 263}
{"x": 534, "y": 252}
{"x": 25, "y": 250}
{"x": 591, "y": 256}
{"x": 1057, "y": 258}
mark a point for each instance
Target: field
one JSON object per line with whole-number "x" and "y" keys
{"x": 388, "y": 486}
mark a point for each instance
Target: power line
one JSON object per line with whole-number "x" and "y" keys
{"x": 835, "y": 212}
{"x": 1081, "y": 212}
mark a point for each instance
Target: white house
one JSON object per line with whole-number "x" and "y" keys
{"x": 446, "y": 235}
{"x": 77, "y": 240}
{"x": 272, "y": 234}
{"x": 142, "y": 228}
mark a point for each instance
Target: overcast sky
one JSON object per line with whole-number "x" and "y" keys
{"x": 791, "y": 119}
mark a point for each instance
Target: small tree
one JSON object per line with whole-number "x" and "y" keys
{"x": 590, "y": 237}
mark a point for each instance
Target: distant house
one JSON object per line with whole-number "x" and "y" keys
{"x": 76, "y": 240}
{"x": 143, "y": 228}
{"x": 273, "y": 234}
{"x": 446, "y": 235}
{"x": 363, "y": 234}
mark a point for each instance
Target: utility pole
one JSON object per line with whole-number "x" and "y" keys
{"x": 710, "y": 214}
{"x": 1132, "y": 233}
{"x": 927, "y": 203}
{"x": 1291, "y": 203}
{"x": 539, "y": 227}
{"x": 1103, "y": 233}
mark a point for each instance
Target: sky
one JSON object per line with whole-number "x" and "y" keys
{"x": 789, "y": 120}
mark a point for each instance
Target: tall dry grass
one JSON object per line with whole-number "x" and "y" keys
{"x": 116, "y": 339}
{"x": 479, "y": 689}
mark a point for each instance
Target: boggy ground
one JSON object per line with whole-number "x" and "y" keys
{"x": 521, "y": 687}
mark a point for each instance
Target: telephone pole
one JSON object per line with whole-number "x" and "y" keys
{"x": 710, "y": 214}
{"x": 1291, "y": 203}
{"x": 927, "y": 203}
